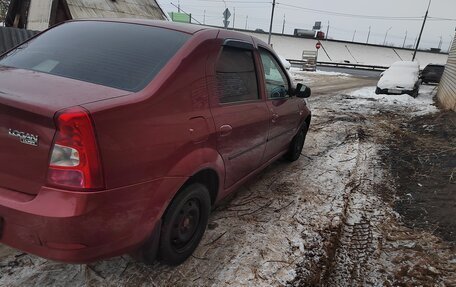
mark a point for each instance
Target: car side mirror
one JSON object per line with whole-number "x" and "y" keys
{"x": 302, "y": 91}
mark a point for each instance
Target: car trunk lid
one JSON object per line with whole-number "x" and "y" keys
{"x": 28, "y": 103}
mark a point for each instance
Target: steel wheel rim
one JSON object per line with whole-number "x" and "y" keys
{"x": 186, "y": 224}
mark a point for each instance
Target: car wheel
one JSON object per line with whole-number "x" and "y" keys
{"x": 297, "y": 144}
{"x": 378, "y": 91}
{"x": 184, "y": 224}
{"x": 415, "y": 92}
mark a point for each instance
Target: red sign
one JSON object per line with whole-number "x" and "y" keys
{"x": 318, "y": 45}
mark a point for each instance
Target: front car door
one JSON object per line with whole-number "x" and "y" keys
{"x": 240, "y": 114}
{"x": 284, "y": 109}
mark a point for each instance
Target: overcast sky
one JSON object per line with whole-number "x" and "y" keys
{"x": 340, "y": 27}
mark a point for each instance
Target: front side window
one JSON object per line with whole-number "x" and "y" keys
{"x": 276, "y": 81}
{"x": 118, "y": 55}
{"x": 236, "y": 76}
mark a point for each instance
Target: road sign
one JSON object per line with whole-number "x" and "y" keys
{"x": 226, "y": 23}
{"x": 318, "y": 45}
{"x": 226, "y": 14}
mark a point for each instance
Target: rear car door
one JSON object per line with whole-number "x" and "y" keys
{"x": 284, "y": 109}
{"x": 240, "y": 114}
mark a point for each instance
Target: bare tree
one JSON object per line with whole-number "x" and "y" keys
{"x": 3, "y": 9}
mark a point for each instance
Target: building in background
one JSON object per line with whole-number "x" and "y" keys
{"x": 447, "y": 86}
{"x": 41, "y": 14}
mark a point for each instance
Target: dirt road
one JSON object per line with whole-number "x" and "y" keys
{"x": 323, "y": 220}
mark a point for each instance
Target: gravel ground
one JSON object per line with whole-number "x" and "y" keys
{"x": 321, "y": 221}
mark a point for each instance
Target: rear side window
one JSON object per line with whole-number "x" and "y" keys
{"x": 436, "y": 68}
{"x": 118, "y": 55}
{"x": 236, "y": 76}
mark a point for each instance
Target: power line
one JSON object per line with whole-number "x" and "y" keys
{"x": 238, "y": 2}
{"x": 440, "y": 19}
{"x": 372, "y": 17}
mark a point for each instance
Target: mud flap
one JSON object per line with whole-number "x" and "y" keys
{"x": 147, "y": 253}
{"x": 1, "y": 227}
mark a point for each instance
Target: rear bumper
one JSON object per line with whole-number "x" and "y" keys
{"x": 432, "y": 79}
{"x": 82, "y": 227}
{"x": 387, "y": 92}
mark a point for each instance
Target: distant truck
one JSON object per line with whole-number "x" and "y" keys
{"x": 310, "y": 34}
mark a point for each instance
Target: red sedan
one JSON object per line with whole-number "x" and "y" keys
{"x": 120, "y": 136}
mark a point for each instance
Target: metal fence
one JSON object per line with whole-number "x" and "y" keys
{"x": 11, "y": 37}
{"x": 300, "y": 63}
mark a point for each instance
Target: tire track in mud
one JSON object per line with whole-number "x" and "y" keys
{"x": 351, "y": 240}
{"x": 348, "y": 241}
{"x": 355, "y": 242}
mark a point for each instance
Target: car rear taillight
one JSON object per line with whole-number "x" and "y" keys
{"x": 75, "y": 160}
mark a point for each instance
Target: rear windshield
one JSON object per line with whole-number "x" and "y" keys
{"x": 436, "y": 68}
{"x": 119, "y": 55}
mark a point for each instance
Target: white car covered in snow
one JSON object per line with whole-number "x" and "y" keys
{"x": 401, "y": 78}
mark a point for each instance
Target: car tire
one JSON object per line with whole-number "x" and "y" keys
{"x": 378, "y": 91}
{"x": 414, "y": 93}
{"x": 184, "y": 224}
{"x": 297, "y": 144}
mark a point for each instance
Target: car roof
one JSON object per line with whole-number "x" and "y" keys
{"x": 180, "y": 27}
{"x": 405, "y": 64}
{"x": 436, "y": 65}
{"x": 185, "y": 28}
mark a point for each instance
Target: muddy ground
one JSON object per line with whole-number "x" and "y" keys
{"x": 345, "y": 214}
{"x": 421, "y": 153}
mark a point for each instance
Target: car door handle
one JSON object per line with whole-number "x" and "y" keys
{"x": 225, "y": 130}
{"x": 275, "y": 117}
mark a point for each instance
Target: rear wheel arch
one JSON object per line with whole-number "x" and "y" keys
{"x": 307, "y": 121}
{"x": 210, "y": 180}
{"x": 207, "y": 177}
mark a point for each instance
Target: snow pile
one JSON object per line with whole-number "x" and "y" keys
{"x": 403, "y": 75}
{"x": 326, "y": 73}
{"x": 421, "y": 105}
{"x": 321, "y": 73}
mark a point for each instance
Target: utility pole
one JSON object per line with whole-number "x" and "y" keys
{"x": 234, "y": 16}
{"x": 327, "y": 31}
{"x": 283, "y": 26}
{"x": 179, "y": 6}
{"x": 421, "y": 32}
{"x": 204, "y": 18}
{"x": 368, "y": 35}
{"x": 246, "y": 21}
{"x": 405, "y": 39}
{"x": 272, "y": 20}
{"x": 354, "y": 34}
{"x": 386, "y": 35}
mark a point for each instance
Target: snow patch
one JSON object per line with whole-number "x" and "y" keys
{"x": 421, "y": 105}
{"x": 319, "y": 72}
